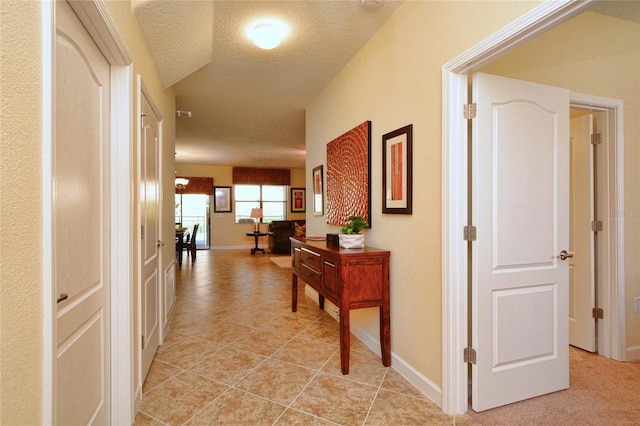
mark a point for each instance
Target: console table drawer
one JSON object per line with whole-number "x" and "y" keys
{"x": 312, "y": 259}
{"x": 311, "y": 276}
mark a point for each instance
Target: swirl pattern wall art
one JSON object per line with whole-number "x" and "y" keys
{"x": 349, "y": 175}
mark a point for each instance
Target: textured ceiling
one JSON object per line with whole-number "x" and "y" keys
{"x": 248, "y": 104}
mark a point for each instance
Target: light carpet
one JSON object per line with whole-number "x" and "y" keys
{"x": 282, "y": 261}
{"x": 602, "y": 392}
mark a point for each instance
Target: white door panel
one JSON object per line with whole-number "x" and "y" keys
{"x": 81, "y": 224}
{"x": 582, "y": 274}
{"x": 520, "y": 206}
{"x": 150, "y": 211}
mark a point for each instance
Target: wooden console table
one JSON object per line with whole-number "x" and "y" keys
{"x": 350, "y": 279}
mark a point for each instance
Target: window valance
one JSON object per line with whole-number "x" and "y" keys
{"x": 258, "y": 176}
{"x": 197, "y": 185}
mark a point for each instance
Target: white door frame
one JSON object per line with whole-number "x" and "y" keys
{"x": 95, "y": 17}
{"x": 143, "y": 91}
{"x": 455, "y": 189}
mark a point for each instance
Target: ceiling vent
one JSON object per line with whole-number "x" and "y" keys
{"x": 370, "y": 4}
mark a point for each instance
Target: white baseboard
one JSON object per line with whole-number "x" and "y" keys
{"x": 633, "y": 353}
{"x": 413, "y": 376}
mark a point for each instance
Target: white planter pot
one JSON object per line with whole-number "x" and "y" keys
{"x": 351, "y": 240}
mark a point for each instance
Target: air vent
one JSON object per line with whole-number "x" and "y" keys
{"x": 186, "y": 114}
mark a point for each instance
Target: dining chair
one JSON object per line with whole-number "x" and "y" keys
{"x": 190, "y": 243}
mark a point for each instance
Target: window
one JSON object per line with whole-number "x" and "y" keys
{"x": 271, "y": 198}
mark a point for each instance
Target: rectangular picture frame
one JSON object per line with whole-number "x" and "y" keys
{"x": 298, "y": 200}
{"x": 318, "y": 190}
{"x": 222, "y": 199}
{"x": 397, "y": 171}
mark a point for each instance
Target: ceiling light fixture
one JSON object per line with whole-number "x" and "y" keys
{"x": 267, "y": 33}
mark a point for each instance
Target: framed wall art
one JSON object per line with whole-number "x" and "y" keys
{"x": 397, "y": 171}
{"x": 318, "y": 188}
{"x": 222, "y": 199}
{"x": 349, "y": 175}
{"x": 298, "y": 200}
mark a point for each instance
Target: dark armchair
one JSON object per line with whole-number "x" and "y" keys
{"x": 281, "y": 230}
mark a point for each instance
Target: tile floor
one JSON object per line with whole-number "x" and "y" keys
{"x": 235, "y": 354}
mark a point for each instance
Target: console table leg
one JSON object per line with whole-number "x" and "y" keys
{"x": 385, "y": 335}
{"x": 345, "y": 339}
{"x": 294, "y": 293}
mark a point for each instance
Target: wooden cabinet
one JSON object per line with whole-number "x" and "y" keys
{"x": 350, "y": 279}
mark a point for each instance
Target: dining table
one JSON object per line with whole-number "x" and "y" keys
{"x": 181, "y": 233}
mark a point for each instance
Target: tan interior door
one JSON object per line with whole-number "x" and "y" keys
{"x": 81, "y": 225}
{"x": 582, "y": 331}
{"x": 150, "y": 243}
{"x": 520, "y": 207}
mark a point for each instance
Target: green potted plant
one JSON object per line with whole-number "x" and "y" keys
{"x": 350, "y": 236}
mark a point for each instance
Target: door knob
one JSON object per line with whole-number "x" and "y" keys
{"x": 160, "y": 243}
{"x": 63, "y": 297}
{"x": 564, "y": 255}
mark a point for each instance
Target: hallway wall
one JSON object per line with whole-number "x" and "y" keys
{"x": 395, "y": 80}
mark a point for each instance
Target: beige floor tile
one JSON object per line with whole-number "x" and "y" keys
{"x": 261, "y": 342}
{"x": 179, "y": 398}
{"x": 228, "y": 365}
{"x": 296, "y": 418}
{"x": 306, "y": 353}
{"x": 235, "y": 407}
{"x": 364, "y": 367}
{"x": 187, "y": 352}
{"x": 219, "y": 332}
{"x": 145, "y": 420}
{"x": 277, "y": 381}
{"x": 338, "y": 400}
{"x": 396, "y": 383}
{"x": 286, "y": 325}
{"x": 323, "y": 332}
{"x": 391, "y": 408}
{"x": 159, "y": 372}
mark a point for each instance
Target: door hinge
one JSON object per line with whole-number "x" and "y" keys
{"x": 142, "y": 342}
{"x": 470, "y": 111}
{"x": 598, "y": 313}
{"x": 596, "y": 138}
{"x": 469, "y": 233}
{"x": 596, "y": 225}
{"x": 470, "y": 355}
{"x": 142, "y": 232}
{"x": 142, "y": 116}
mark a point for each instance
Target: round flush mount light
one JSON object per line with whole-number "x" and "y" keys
{"x": 267, "y": 33}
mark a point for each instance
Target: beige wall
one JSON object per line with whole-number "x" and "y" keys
{"x": 225, "y": 233}
{"x": 20, "y": 213}
{"x": 393, "y": 81}
{"x": 21, "y": 282}
{"x": 596, "y": 55}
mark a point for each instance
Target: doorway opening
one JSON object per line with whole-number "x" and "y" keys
{"x": 192, "y": 209}
{"x": 456, "y": 190}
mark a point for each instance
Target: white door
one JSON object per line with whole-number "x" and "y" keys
{"x": 582, "y": 331}
{"x": 520, "y": 207}
{"x": 150, "y": 233}
{"x": 81, "y": 225}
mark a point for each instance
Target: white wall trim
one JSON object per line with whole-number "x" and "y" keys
{"x": 612, "y": 343}
{"x": 48, "y": 296}
{"x": 633, "y": 353}
{"x": 122, "y": 371}
{"x": 455, "y": 278}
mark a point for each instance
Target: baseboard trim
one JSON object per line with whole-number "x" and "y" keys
{"x": 413, "y": 376}
{"x": 633, "y": 353}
